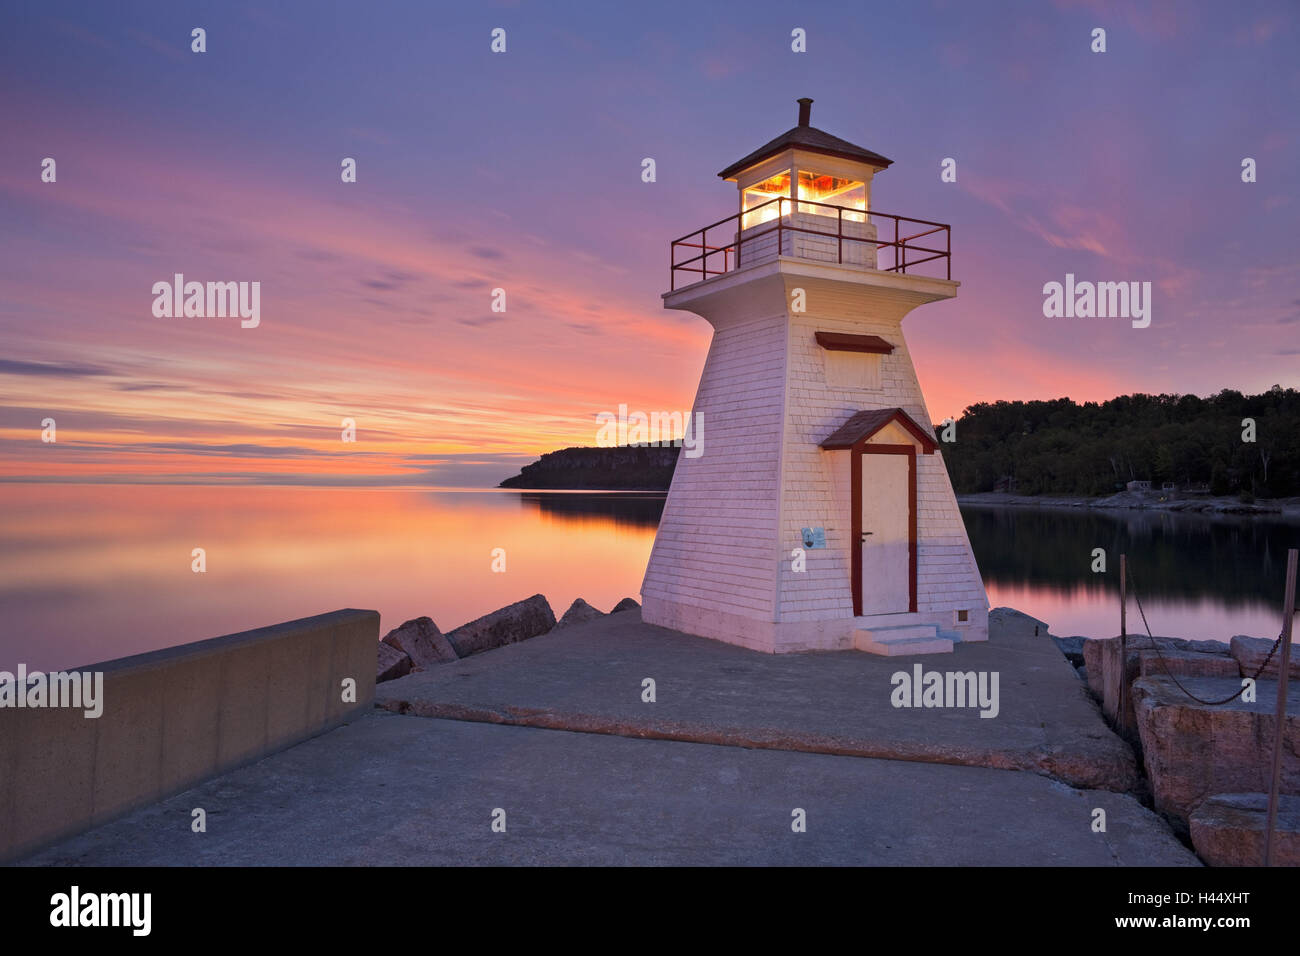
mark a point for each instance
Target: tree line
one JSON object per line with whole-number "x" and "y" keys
{"x": 1096, "y": 448}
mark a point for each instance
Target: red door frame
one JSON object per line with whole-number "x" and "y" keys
{"x": 864, "y": 447}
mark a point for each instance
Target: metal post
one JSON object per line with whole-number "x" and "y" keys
{"x": 740, "y": 226}
{"x": 1121, "y": 717}
{"x": 780, "y": 240}
{"x": 1288, "y": 615}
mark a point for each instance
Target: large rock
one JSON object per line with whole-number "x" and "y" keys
{"x": 1193, "y": 751}
{"x": 391, "y": 664}
{"x": 578, "y": 612}
{"x": 1251, "y": 652}
{"x": 517, "y": 622}
{"x": 1142, "y": 659}
{"x": 1228, "y": 830}
{"x": 1185, "y": 664}
{"x": 627, "y": 604}
{"x": 1004, "y": 617}
{"x": 1092, "y": 651}
{"x": 1072, "y": 648}
{"x": 421, "y": 641}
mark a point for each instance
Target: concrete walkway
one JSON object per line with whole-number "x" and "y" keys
{"x": 399, "y": 790}
{"x": 589, "y": 678}
{"x": 708, "y": 774}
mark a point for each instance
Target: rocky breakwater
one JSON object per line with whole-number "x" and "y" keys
{"x": 418, "y": 644}
{"x": 1207, "y": 753}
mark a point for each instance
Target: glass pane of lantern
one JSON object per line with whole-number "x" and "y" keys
{"x": 846, "y": 193}
{"x": 758, "y": 194}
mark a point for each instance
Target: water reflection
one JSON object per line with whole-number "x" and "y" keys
{"x": 1237, "y": 561}
{"x": 627, "y": 509}
{"x": 1198, "y": 576}
{"x": 93, "y": 572}
{"x": 89, "y": 573}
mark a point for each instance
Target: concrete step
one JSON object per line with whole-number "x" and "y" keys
{"x": 902, "y": 639}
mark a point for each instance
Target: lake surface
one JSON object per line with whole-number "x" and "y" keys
{"x": 93, "y": 572}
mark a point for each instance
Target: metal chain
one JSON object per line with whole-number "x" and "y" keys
{"x": 1170, "y": 674}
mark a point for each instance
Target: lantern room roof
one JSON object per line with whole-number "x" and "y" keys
{"x": 812, "y": 140}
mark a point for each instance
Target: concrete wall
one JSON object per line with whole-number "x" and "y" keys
{"x": 175, "y": 717}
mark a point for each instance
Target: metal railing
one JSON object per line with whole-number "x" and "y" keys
{"x": 705, "y": 262}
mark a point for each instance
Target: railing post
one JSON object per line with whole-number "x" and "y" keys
{"x": 1121, "y": 717}
{"x": 1279, "y": 730}
{"x": 840, "y": 233}
{"x": 898, "y": 250}
{"x": 780, "y": 240}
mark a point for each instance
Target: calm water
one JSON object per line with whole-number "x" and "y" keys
{"x": 88, "y": 573}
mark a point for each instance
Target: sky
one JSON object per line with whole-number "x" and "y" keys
{"x": 522, "y": 170}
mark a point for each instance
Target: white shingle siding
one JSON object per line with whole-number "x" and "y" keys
{"x": 721, "y": 562}
{"x": 713, "y": 548}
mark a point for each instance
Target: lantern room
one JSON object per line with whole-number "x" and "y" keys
{"x": 816, "y": 187}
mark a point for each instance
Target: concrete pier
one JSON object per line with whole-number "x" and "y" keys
{"x": 553, "y": 738}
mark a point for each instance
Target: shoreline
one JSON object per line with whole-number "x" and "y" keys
{"x": 1224, "y": 506}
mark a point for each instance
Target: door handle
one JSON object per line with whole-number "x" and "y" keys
{"x": 864, "y": 536}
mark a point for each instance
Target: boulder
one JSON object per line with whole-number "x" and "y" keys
{"x": 517, "y": 622}
{"x": 1175, "y": 656}
{"x": 1092, "y": 651}
{"x": 1003, "y": 617}
{"x": 1185, "y": 664}
{"x": 1193, "y": 751}
{"x": 391, "y": 663}
{"x": 1072, "y": 648}
{"x": 1250, "y": 652}
{"x": 1228, "y": 830}
{"x": 578, "y": 612}
{"x": 421, "y": 641}
{"x": 627, "y": 604}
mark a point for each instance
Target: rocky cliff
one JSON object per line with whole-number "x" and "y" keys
{"x": 606, "y": 469}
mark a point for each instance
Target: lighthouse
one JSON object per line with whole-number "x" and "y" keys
{"x": 818, "y": 514}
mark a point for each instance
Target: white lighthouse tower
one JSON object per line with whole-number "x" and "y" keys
{"x": 819, "y": 515}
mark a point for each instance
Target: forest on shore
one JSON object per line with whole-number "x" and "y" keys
{"x": 1226, "y": 444}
